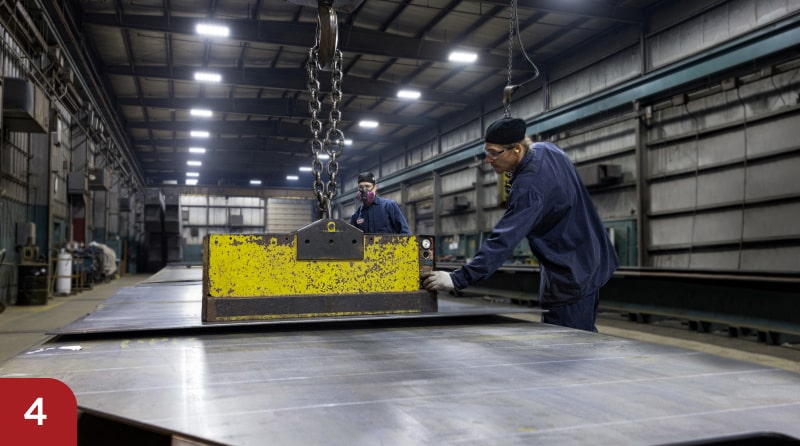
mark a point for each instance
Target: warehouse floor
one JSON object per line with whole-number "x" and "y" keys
{"x": 25, "y": 327}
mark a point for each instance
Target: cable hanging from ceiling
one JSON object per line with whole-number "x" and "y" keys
{"x": 510, "y": 88}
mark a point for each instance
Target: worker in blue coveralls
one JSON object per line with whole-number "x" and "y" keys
{"x": 375, "y": 214}
{"x": 549, "y": 205}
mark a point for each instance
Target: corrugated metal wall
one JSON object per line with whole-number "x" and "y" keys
{"x": 707, "y": 170}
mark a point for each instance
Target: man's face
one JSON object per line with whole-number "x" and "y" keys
{"x": 501, "y": 156}
{"x": 367, "y": 186}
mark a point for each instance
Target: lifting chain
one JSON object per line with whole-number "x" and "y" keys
{"x": 328, "y": 140}
{"x": 509, "y": 89}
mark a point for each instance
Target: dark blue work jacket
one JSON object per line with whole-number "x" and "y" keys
{"x": 382, "y": 216}
{"x": 550, "y": 206}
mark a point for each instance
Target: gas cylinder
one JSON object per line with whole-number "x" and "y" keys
{"x": 64, "y": 273}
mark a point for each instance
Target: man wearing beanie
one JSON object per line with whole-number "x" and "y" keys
{"x": 375, "y": 214}
{"x": 549, "y": 205}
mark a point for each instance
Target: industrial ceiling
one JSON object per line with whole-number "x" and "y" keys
{"x": 144, "y": 56}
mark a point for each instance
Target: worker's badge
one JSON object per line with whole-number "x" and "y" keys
{"x": 359, "y": 221}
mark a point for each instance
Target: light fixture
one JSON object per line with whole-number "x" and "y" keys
{"x": 193, "y": 174}
{"x": 208, "y": 29}
{"x": 409, "y": 94}
{"x": 197, "y": 149}
{"x": 324, "y": 156}
{"x": 169, "y": 182}
{"x": 463, "y": 56}
{"x": 348, "y": 142}
{"x": 191, "y": 181}
{"x": 205, "y": 76}
{"x": 305, "y": 169}
{"x": 255, "y": 182}
{"x": 367, "y": 124}
{"x": 201, "y": 112}
{"x": 194, "y": 163}
{"x": 292, "y": 177}
{"x": 199, "y": 134}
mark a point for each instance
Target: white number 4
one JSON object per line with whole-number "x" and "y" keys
{"x": 35, "y": 412}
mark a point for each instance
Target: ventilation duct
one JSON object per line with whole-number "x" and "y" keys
{"x": 25, "y": 107}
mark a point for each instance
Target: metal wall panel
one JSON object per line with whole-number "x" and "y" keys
{"x": 218, "y": 216}
{"x": 772, "y": 221}
{"x": 420, "y": 191}
{"x": 718, "y": 260}
{"x": 194, "y": 200}
{"x": 393, "y": 165}
{"x": 423, "y": 152}
{"x": 198, "y": 215}
{"x": 458, "y": 224}
{"x": 771, "y": 259}
{"x": 460, "y": 136}
{"x": 614, "y": 70}
{"x": 774, "y": 179}
{"x": 392, "y": 194}
{"x": 717, "y": 227}
{"x": 616, "y": 203}
{"x": 775, "y": 135}
{"x": 670, "y": 232}
{"x": 285, "y": 215}
{"x": 458, "y": 180}
{"x": 253, "y": 216}
{"x": 720, "y": 187}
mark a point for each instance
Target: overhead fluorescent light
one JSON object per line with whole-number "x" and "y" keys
{"x": 305, "y": 169}
{"x": 169, "y": 182}
{"x": 191, "y": 181}
{"x": 208, "y": 29}
{"x": 201, "y": 112}
{"x": 199, "y": 134}
{"x": 348, "y": 142}
{"x": 205, "y": 76}
{"x": 292, "y": 177}
{"x": 409, "y": 94}
{"x": 193, "y": 174}
{"x": 197, "y": 149}
{"x": 367, "y": 124}
{"x": 324, "y": 156}
{"x": 463, "y": 56}
{"x": 255, "y": 182}
{"x": 194, "y": 163}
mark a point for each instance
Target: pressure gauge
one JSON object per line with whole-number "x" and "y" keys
{"x": 426, "y": 243}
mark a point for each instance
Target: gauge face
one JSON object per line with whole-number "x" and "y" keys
{"x": 426, "y": 243}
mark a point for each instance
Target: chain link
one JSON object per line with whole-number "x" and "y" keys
{"x": 512, "y": 20}
{"x": 333, "y": 141}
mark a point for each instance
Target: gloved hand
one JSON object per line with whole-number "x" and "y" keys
{"x": 437, "y": 280}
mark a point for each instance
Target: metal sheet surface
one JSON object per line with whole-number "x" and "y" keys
{"x": 483, "y": 379}
{"x": 178, "y": 306}
{"x": 493, "y": 381}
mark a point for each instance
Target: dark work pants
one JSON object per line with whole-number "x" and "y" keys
{"x": 581, "y": 315}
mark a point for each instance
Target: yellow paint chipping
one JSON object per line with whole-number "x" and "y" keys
{"x": 247, "y": 265}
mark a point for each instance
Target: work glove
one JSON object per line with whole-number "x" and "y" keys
{"x": 437, "y": 280}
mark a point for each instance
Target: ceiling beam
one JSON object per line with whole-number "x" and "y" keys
{"x": 352, "y": 39}
{"x": 283, "y": 79}
{"x": 284, "y": 108}
{"x": 591, "y": 9}
{"x": 251, "y": 128}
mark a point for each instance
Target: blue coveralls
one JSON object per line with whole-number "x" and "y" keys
{"x": 382, "y": 216}
{"x": 549, "y": 205}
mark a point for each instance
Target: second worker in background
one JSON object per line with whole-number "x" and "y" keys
{"x": 375, "y": 214}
